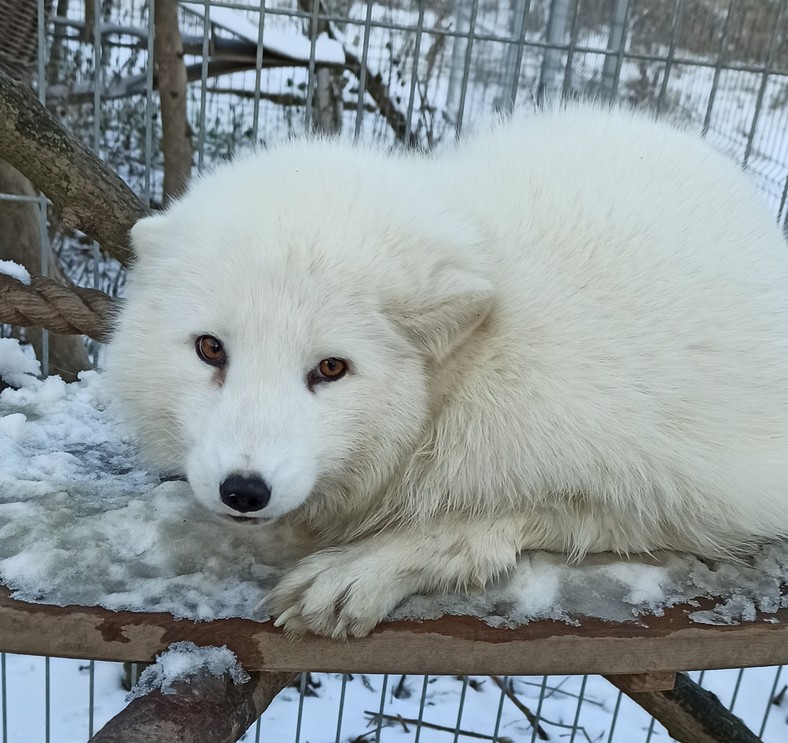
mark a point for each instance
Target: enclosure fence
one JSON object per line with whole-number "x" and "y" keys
{"x": 410, "y": 74}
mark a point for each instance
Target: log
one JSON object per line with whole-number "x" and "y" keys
{"x": 691, "y": 714}
{"x": 89, "y": 195}
{"x": 203, "y": 709}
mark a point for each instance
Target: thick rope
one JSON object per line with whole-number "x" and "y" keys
{"x": 61, "y": 309}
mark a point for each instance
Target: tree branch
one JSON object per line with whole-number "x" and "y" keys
{"x": 204, "y": 709}
{"x": 88, "y": 194}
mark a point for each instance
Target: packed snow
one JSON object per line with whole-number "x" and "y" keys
{"x": 83, "y": 522}
{"x": 183, "y": 660}
{"x": 15, "y": 271}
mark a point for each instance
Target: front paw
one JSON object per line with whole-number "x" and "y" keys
{"x": 335, "y": 593}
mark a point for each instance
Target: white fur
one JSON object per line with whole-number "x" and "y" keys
{"x": 570, "y": 333}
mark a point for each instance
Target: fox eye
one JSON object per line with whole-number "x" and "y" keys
{"x": 210, "y": 350}
{"x": 328, "y": 370}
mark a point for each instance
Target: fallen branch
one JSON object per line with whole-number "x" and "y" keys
{"x": 690, "y": 713}
{"x": 89, "y": 196}
{"x": 375, "y": 716}
{"x": 204, "y": 709}
{"x": 61, "y": 309}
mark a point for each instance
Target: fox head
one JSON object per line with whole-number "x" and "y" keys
{"x": 283, "y": 322}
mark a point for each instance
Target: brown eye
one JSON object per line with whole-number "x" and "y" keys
{"x": 210, "y": 350}
{"x": 332, "y": 368}
{"x": 328, "y": 370}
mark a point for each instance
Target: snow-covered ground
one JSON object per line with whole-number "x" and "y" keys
{"x": 601, "y": 714}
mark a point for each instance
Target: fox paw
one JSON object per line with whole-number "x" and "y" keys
{"x": 336, "y": 593}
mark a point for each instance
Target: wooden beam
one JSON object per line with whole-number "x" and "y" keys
{"x": 452, "y": 645}
{"x": 635, "y": 683}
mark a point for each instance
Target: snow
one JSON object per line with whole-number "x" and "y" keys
{"x": 292, "y": 45}
{"x": 83, "y": 522}
{"x": 14, "y": 270}
{"x": 17, "y": 368}
{"x": 183, "y": 660}
{"x": 69, "y": 686}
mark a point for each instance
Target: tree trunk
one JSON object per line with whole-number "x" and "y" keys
{"x": 20, "y": 242}
{"x": 176, "y": 141}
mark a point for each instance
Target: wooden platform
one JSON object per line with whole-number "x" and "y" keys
{"x": 452, "y": 645}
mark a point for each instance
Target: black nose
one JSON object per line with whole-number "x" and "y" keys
{"x": 244, "y": 494}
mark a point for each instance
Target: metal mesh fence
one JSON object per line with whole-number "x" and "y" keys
{"x": 411, "y": 73}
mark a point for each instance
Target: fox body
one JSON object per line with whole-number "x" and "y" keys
{"x": 570, "y": 333}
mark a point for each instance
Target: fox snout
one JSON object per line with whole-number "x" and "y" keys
{"x": 245, "y": 493}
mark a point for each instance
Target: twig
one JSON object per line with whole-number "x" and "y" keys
{"x": 375, "y": 716}
{"x": 530, "y": 716}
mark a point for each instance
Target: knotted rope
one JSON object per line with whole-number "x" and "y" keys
{"x": 61, "y": 309}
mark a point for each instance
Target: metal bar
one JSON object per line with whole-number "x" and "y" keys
{"x": 678, "y": 12}
{"x": 206, "y": 30}
{"x": 379, "y": 726}
{"x": 622, "y": 47}
{"x": 420, "y": 720}
{"x": 500, "y": 710}
{"x": 615, "y": 717}
{"x": 736, "y": 689}
{"x": 362, "y": 78}
{"x": 461, "y": 706}
{"x": 467, "y": 70}
{"x": 91, "y": 697}
{"x": 519, "y": 33}
{"x": 258, "y": 70}
{"x": 538, "y": 716}
{"x": 310, "y": 79}
{"x": 414, "y": 74}
{"x": 301, "y": 690}
{"x": 767, "y": 70}
{"x": 769, "y": 704}
{"x": 570, "y": 52}
{"x": 580, "y": 698}
{"x": 47, "y": 700}
{"x": 341, "y": 707}
{"x": 718, "y": 68}
{"x": 4, "y": 700}
{"x": 149, "y": 65}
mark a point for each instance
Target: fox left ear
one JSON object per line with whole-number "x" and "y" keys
{"x": 456, "y": 301}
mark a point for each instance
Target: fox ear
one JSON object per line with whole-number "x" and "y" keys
{"x": 456, "y": 301}
{"x": 146, "y": 234}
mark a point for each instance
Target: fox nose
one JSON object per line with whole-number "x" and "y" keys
{"x": 243, "y": 493}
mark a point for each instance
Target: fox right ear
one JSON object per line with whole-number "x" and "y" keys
{"x": 146, "y": 234}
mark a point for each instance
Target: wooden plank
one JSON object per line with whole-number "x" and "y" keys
{"x": 635, "y": 683}
{"x": 454, "y": 645}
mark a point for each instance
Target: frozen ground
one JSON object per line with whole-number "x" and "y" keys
{"x": 82, "y": 522}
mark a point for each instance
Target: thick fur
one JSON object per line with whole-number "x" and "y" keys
{"x": 570, "y": 333}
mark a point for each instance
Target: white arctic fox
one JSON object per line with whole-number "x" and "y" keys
{"x": 569, "y": 333}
